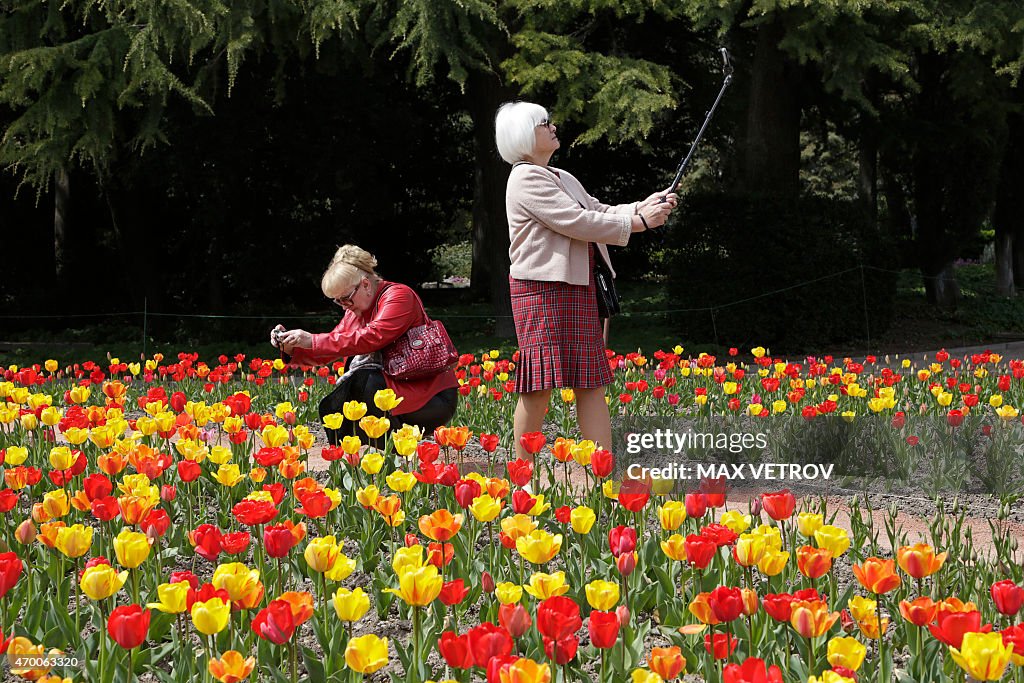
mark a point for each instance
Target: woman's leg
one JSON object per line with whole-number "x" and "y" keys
{"x": 529, "y": 417}
{"x": 434, "y": 413}
{"x": 594, "y": 417}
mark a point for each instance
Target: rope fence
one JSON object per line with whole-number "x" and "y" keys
{"x": 145, "y": 314}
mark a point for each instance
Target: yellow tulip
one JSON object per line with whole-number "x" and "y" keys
{"x": 341, "y": 569}
{"x": 351, "y": 605}
{"x": 672, "y": 515}
{"x": 773, "y": 562}
{"x": 367, "y": 495}
{"x": 582, "y": 519}
{"x": 833, "y": 539}
{"x": 173, "y": 597}
{"x": 219, "y": 454}
{"x": 418, "y": 587}
{"x": 228, "y": 475}
{"x": 400, "y": 482}
{"x": 543, "y": 586}
{"x": 485, "y": 508}
{"x": 846, "y": 652}
{"x": 375, "y": 427}
{"x": 644, "y": 676}
{"x": 237, "y": 579}
{"x": 74, "y": 541}
{"x": 983, "y": 656}
{"x": 333, "y": 421}
{"x": 16, "y": 455}
{"x": 274, "y": 436}
{"x": 386, "y": 400}
{"x": 808, "y": 523}
{"x": 674, "y": 548}
{"x": 736, "y": 521}
{"x": 211, "y": 617}
{"x": 321, "y": 553}
{"x": 749, "y": 549}
{"x": 131, "y": 548}
{"x": 602, "y": 595}
{"x": 50, "y": 416}
{"x": 354, "y": 410}
{"x": 101, "y": 581}
{"x": 366, "y": 654}
{"x": 539, "y": 546}
{"x": 61, "y": 458}
{"x": 509, "y": 593}
{"x": 407, "y": 558}
{"x": 371, "y": 463}
{"x": 56, "y": 503}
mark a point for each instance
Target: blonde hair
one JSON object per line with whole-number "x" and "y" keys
{"x": 349, "y": 265}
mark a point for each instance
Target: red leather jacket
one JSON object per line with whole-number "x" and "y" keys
{"x": 395, "y": 310}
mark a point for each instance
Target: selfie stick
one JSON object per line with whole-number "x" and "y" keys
{"x": 727, "y": 70}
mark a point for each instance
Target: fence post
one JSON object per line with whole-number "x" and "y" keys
{"x": 864, "y": 293}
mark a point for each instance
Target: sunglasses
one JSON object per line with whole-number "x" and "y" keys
{"x": 347, "y": 300}
{"x": 545, "y": 123}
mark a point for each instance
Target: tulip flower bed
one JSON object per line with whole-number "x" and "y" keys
{"x": 184, "y": 521}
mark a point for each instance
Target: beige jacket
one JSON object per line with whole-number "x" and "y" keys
{"x": 551, "y": 218}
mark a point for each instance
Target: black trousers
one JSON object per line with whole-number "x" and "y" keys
{"x": 362, "y": 386}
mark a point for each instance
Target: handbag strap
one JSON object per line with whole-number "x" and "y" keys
{"x": 423, "y": 310}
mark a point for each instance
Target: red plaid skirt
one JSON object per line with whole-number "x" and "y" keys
{"x": 561, "y": 343}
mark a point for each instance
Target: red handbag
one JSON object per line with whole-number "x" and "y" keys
{"x": 421, "y": 351}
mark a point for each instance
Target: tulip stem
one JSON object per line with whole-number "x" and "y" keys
{"x": 881, "y": 639}
{"x": 415, "y": 638}
{"x": 810, "y": 655}
{"x": 78, "y": 603}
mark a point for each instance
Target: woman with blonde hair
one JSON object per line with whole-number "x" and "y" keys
{"x": 557, "y": 234}
{"x": 377, "y": 313}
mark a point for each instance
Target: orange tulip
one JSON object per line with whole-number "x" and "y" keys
{"x": 919, "y": 612}
{"x": 919, "y": 560}
{"x": 667, "y": 662}
{"x": 811, "y": 618}
{"x": 458, "y": 437}
{"x": 231, "y": 667}
{"x": 134, "y": 508}
{"x": 700, "y": 607}
{"x": 301, "y": 604}
{"x": 877, "y": 576}
{"x": 441, "y": 525}
{"x": 813, "y": 562}
{"x": 111, "y": 463}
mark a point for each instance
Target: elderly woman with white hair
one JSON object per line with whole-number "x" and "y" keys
{"x": 557, "y": 232}
{"x": 377, "y": 313}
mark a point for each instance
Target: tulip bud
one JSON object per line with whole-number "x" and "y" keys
{"x": 755, "y": 508}
{"x": 487, "y": 581}
{"x": 622, "y": 612}
{"x": 515, "y": 619}
{"x": 26, "y": 532}
{"x": 626, "y": 562}
{"x": 168, "y": 492}
{"x": 411, "y": 540}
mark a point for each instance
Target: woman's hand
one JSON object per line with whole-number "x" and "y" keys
{"x": 274, "y": 333}
{"x": 653, "y": 215}
{"x": 295, "y": 339}
{"x": 671, "y": 198}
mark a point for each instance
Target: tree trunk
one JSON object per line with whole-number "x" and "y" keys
{"x": 772, "y": 151}
{"x": 1008, "y": 217}
{"x": 941, "y": 287}
{"x": 484, "y": 94}
{"x": 61, "y": 214}
{"x": 867, "y": 166}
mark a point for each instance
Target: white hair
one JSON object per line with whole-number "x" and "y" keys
{"x": 514, "y": 129}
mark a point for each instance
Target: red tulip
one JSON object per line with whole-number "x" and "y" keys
{"x": 314, "y": 505}
{"x": 633, "y": 495}
{"x": 622, "y": 539}
{"x": 10, "y": 571}
{"x": 720, "y": 534}
{"x": 206, "y": 539}
{"x": 726, "y": 603}
{"x": 522, "y": 502}
{"x": 497, "y": 665}
{"x": 950, "y": 627}
{"x": 532, "y": 442}
{"x": 489, "y": 442}
{"x": 455, "y": 650}
{"x": 453, "y": 592}
{"x": 603, "y": 628}
{"x": 1007, "y": 596}
{"x": 723, "y": 645}
{"x": 626, "y": 563}
{"x": 779, "y": 505}
{"x": 278, "y": 540}
{"x": 699, "y": 550}
{"x": 563, "y": 514}
{"x": 8, "y": 499}
{"x": 558, "y": 617}
{"x": 105, "y": 509}
{"x": 602, "y": 462}
{"x": 189, "y": 470}
{"x": 696, "y": 505}
{"x": 96, "y": 486}
{"x": 128, "y": 625}
{"x": 779, "y": 607}
{"x": 465, "y": 491}
{"x": 235, "y": 542}
{"x": 561, "y": 651}
{"x": 275, "y": 622}
{"x": 254, "y": 512}
{"x": 205, "y": 592}
{"x": 487, "y": 641}
{"x": 520, "y": 471}
{"x": 751, "y": 671}
{"x": 156, "y": 522}
{"x": 276, "y": 491}
{"x": 515, "y": 619}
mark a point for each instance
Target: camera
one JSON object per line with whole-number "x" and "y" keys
{"x": 278, "y": 335}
